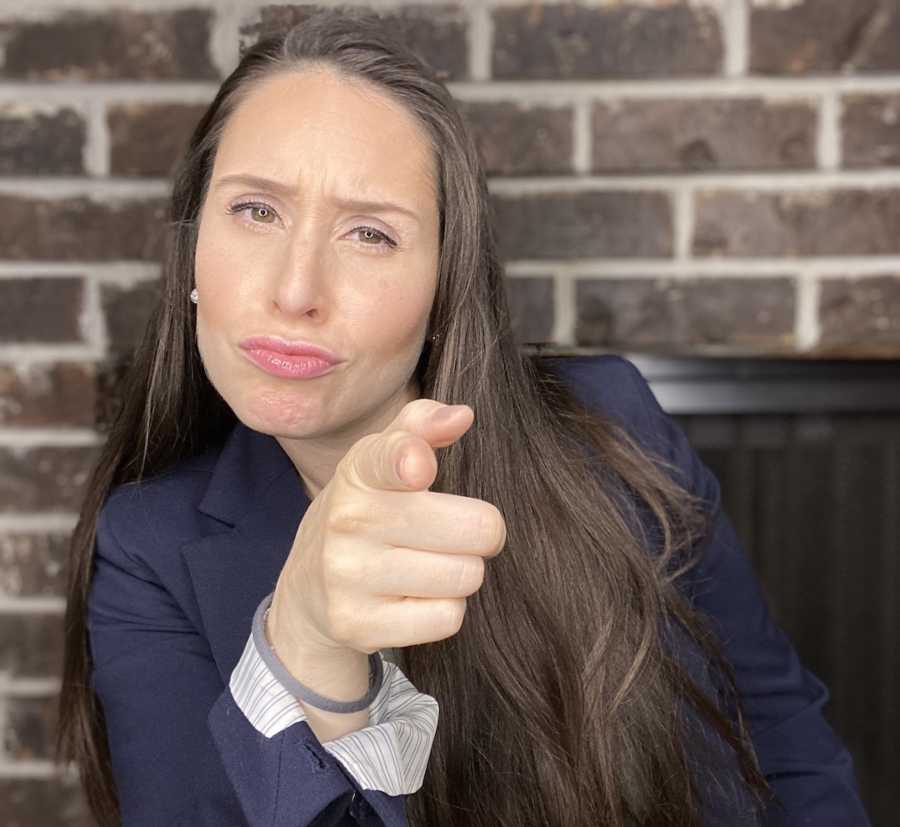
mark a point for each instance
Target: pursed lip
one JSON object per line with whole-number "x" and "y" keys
{"x": 289, "y": 347}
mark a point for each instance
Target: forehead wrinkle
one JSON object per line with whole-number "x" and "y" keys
{"x": 330, "y": 137}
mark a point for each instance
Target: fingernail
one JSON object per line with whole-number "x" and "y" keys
{"x": 445, "y": 414}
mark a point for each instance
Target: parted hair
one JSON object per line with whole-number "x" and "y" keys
{"x": 563, "y": 700}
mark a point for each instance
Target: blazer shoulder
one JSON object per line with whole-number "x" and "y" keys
{"x": 163, "y": 505}
{"x": 613, "y": 385}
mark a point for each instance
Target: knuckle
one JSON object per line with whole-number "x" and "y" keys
{"x": 338, "y": 568}
{"x": 492, "y": 527}
{"x": 350, "y": 464}
{"x": 455, "y": 614}
{"x": 393, "y": 444}
{"x": 470, "y": 575}
{"x": 341, "y": 623}
{"x": 346, "y": 519}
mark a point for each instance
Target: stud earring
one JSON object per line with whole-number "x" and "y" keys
{"x": 195, "y": 296}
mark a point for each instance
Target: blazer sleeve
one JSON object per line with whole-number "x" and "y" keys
{"x": 804, "y": 761}
{"x": 391, "y": 754}
{"x": 182, "y": 751}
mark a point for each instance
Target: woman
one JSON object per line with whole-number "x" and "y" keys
{"x": 247, "y": 546}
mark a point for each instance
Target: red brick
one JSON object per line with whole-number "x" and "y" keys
{"x": 682, "y": 135}
{"x": 870, "y": 126}
{"x": 45, "y": 478}
{"x": 45, "y": 394}
{"x": 824, "y": 36}
{"x": 82, "y": 229}
{"x": 126, "y": 311}
{"x": 41, "y": 309}
{"x": 149, "y": 139}
{"x": 33, "y": 564}
{"x": 31, "y": 646}
{"x": 798, "y": 223}
{"x": 29, "y": 728}
{"x": 531, "y": 307}
{"x": 437, "y": 33}
{"x": 41, "y": 140}
{"x": 860, "y": 317}
{"x": 521, "y": 139}
{"x": 583, "y": 224}
{"x": 687, "y": 315}
{"x": 569, "y": 41}
{"x": 57, "y": 801}
{"x": 117, "y": 44}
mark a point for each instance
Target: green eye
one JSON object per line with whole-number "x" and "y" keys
{"x": 263, "y": 210}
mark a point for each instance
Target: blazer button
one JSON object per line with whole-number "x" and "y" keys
{"x": 359, "y": 807}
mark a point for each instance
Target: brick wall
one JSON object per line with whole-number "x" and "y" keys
{"x": 716, "y": 177}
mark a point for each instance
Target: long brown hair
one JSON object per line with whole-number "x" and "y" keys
{"x": 562, "y": 699}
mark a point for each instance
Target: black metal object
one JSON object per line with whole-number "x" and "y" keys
{"x": 747, "y": 385}
{"x": 808, "y": 458}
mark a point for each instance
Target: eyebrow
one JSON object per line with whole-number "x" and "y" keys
{"x": 289, "y": 192}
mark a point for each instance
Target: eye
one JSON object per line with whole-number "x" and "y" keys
{"x": 262, "y": 209}
{"x": 371, "y": 234}
{"x": 372, "y": 237}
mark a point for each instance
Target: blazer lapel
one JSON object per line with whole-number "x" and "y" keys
{"x": 257, "y": 495}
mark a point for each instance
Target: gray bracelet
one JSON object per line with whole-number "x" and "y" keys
{"x": 289, "y": 682}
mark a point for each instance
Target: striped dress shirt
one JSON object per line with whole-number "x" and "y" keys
{"x": 390, "y": 754}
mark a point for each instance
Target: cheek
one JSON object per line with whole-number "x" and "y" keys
{"x": 393, "y": 311}
{"x": 219, "y": 276}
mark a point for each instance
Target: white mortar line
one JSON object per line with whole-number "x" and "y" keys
{"x": 154, "y": 187}
{"x": 29, "y": 769}
{"x": 828, "y": 148}
{"x": 563, "y": 331}
{"x": 711, "y": 87}
{"x": 29, "y": 687}
{"x": 45, "y": 523}
{"x": 480, "y": 41}
{"x": 41, "y": 9}
{"x": 548, "y": 91}
{"x": 806, "y": 312}
{"x": 715, "y": 267}
{"x": 104, "y": 93}
{"x": 733, "y": 16}
{"x": 21, "y": 439}
{"x": 582, "y": 138}
{"x": 97, "y": 142}
{"x": 91, "y": 320}
{"x": 114, "y": 272}
{"x": 800, "y": 179}
{"x": 66, "y": 187}
{"x": 518, "y": 267}
{"x": 25, "y": 355}
{"x": 223, "y": 36}
{"x": 683, "y": 222}
{"x": 31, "y": 605}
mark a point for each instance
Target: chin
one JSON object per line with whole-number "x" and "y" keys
{"x": 278, "y": 417}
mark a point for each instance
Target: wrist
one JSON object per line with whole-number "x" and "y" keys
{"x": 336, "y": 672}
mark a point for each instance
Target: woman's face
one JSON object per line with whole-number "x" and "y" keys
{"x": 297, "y": 261}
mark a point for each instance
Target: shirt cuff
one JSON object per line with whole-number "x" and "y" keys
{"x": 390, "y": 754}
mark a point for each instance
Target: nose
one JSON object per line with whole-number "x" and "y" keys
{"x": 301, "y": 285}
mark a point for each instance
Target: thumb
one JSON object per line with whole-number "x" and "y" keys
{"x": 401, "y": 457}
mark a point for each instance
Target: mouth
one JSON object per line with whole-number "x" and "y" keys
{"x": 293, "y": 348}
{"x": 289, "y": 366}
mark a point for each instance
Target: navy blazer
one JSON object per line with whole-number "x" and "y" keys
{"x": 183, "y": 559}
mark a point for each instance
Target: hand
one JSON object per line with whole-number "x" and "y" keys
{"x": 379, "y": 560}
